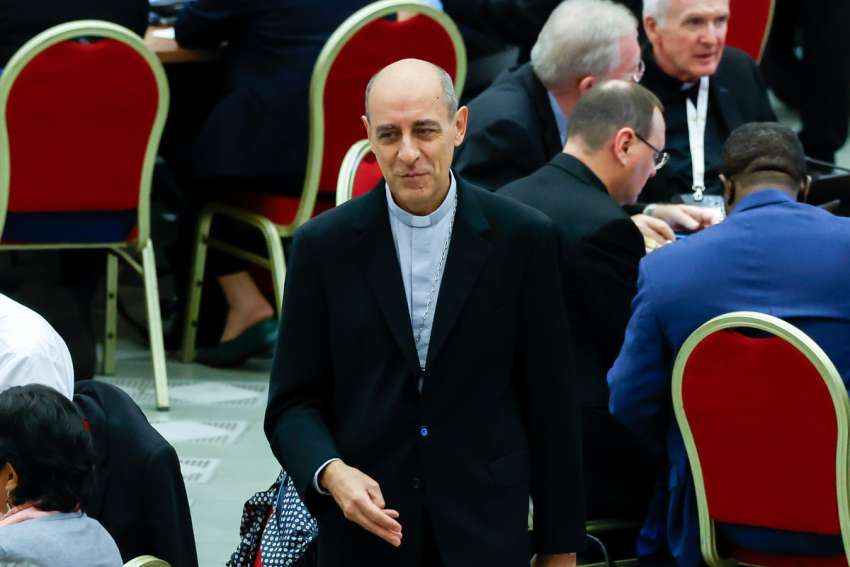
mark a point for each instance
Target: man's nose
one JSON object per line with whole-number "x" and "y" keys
{"x": 409, "y": 151}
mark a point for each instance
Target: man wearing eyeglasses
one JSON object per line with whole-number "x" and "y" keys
{"x": 524, "y": 119}
{"x": 615, "y": 146}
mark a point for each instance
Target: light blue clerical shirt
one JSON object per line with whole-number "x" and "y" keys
{"x": 420, "y": 242}
{"x": 560, "y": 118}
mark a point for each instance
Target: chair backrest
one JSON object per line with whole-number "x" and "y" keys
{"x": 82, "y": 107}
{"x": 364, "y": 44}
{"x": 750, "y": 25}
{"x": 765, "y": 422}
{"x": 147, "y": 561}
{"x": 358, "y": 173}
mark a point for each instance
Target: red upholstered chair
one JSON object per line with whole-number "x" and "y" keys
{"x": 750, "y": 25}
{"x": 366, "y": 42}
{"x": 358, "y": 174}
{"x": 765, "y": 423}
{"x": 80, "y": 123}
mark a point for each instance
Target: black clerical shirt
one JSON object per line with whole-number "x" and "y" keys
{"x": 678, "y": 171}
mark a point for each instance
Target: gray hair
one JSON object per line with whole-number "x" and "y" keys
{"x": 446, "y": 83}
{"x": 657, "y": 10}
{"x": 580, "y": 38}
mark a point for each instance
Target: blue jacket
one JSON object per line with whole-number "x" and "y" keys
{"x": 772, "y": 255}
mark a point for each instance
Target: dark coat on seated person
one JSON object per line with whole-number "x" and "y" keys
{"x": 772, "y": 255}
{"x": 21, "y": 21}
{"x": 737, "y": 95}
{"x": 139, "y": 495}
{"x": 600, "y": 251}
{"x": 512, "y": 131}
{"x": 258, "y": 128}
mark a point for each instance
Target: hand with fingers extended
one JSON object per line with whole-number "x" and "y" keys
{"x": 360, "y": 499}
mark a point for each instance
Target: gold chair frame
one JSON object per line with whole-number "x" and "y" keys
{"x": 348, "y": 170}
{"x": 273, "y": 233}
{"x": 837, "y": 391}
{"x": 131, "y": 250}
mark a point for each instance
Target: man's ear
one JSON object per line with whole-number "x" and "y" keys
{"x": 365, "y": 121}
{"x": 650, "y": 26}
{"x": 8, "y": 478}
{"x": 586, "y": 83}
{"x": 624, "y": 139}
{"x": 728, "y": 190}
{"x": 461, "y": 122}
{"x": 805, "y": 187}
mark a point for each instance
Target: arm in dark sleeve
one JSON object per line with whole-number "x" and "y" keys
{"x": 548, "y": 375}
{"x": 516, "y": 22}
{"x": 295, "y": 422}
{"x": 639, "y": 381}
{"x": 766, "y": 113}
{"x": 167, "y": 515}
{"x": 207, "y": 23}
{"x": 604, "y": 269}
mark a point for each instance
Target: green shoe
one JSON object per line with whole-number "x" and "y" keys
{"x": 254, "y": 340}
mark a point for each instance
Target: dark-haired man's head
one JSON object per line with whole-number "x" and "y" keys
{"x": 46, "y": 455}
{"x": 617, "y": 130}
{"x": 763, "y": 155}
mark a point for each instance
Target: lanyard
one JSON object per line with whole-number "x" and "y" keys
{"x": 697, "y": 117}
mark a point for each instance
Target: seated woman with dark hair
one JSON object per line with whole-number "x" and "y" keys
{"x": 46, "y": 475}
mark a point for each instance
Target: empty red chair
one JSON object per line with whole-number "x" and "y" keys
{"x": 749, "y": 25}
{"x": 765, "y": 422}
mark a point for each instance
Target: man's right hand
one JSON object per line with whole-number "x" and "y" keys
{"x": 359, "y": 497}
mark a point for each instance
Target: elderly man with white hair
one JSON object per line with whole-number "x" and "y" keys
{"x": 708, "y": 90}
{"x": 522, "y": 121}
{"x": 31, "y": 351}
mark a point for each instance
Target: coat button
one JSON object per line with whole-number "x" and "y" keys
{"x": 423, "y": 431}
{"x": 415, "y": 482}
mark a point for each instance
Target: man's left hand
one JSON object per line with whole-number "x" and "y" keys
{"x": 554, "y": 560}
{"x": 686, "y": 217}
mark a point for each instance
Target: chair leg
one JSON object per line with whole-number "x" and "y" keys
{"x": 196, "y": 285}
{"x": 155, "y": 326}
{"x": 110, "y": 332}
{"x": 277, "y": 260}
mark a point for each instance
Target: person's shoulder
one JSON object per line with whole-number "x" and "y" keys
{"x": 507, "y": 214}
{"x": 735, "y": 60}
{"x": 340, "y": 221}
{"x": 510, "y": 90}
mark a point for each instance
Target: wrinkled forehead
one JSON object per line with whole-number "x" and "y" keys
{"x": 391, "y": 103}
{"x": 680, "y": 10}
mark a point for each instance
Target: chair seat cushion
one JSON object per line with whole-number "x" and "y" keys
{"x": 86, "y": 227}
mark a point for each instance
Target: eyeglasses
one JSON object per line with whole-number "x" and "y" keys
{"x": 660, "y": 157}
{"x": 637, "y": 75}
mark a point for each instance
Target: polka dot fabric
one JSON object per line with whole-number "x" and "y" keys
{"x": 277, "y": 522}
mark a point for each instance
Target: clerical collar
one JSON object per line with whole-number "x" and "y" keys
{"x": 663, "y": 85}
{"x": 417, "y": 221}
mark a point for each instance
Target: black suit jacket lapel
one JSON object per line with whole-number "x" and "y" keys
{"x": 468, "y": 253}
{"x": 384, "y": 272}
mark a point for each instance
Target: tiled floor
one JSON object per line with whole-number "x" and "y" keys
{"x": 216, "y": 425}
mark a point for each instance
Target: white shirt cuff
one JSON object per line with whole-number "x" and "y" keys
{"x": 318, "y": 488}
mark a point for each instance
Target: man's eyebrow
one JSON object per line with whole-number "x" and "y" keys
{"x": 426, "y": 123}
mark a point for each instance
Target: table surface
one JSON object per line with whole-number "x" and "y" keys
{"x": 169, "y": 52}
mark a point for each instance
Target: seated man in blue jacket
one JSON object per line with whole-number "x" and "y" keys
{"x": 772, "y": 255}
